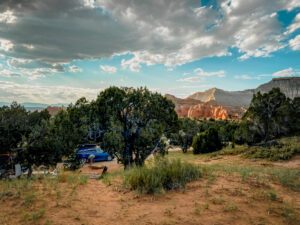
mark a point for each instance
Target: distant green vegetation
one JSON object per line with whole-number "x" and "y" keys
{"x": 283, "y": 150}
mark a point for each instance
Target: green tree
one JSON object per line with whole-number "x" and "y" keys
{"x": 13, "y": 126}
{"x": 73, "y": 127}
{"x": 207, "y": 141}
{"x": 41, "y": 147}
{"x": 269, "y": 114}
{"x": 188, "y": 130}
{"x": 295, "y": 122}
{"x": 133, "y": 121}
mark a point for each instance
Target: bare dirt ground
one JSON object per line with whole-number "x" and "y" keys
{"x": 221, "y": 200}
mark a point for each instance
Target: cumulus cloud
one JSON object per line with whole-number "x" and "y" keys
{"x": 191, "y": 79}
{"x": 109, "y": 69}
{"x": 11, "y": 91}
{"x": 201, "y": 72}
{"x": 7, "y": 17}
{"x": 294, "y": 26}
{"x": 295, "y": 43}
{"x": 74, "y": 69}
{"x": 171, "y": 32}
{"x": 284, "y": 73}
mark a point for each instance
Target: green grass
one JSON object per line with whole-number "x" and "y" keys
{"x": 273, "y": 153}
{"x": 287, "y": 177}
{"x": 160, "y": 175}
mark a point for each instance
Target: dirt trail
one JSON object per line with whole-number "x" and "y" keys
{"x": 226, "y": 201}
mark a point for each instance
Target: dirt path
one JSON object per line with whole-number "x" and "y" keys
{"x": 225, "y": 201}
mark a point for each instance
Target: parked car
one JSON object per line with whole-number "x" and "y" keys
{"x": 100, "y": 155}
{"x": 87, "y": 146}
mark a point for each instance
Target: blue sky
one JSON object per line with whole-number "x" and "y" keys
{"x": 59, "y": 51}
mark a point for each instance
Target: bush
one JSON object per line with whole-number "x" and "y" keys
{"x": 273, "y": 153}
{"x": 163, "y": 175}
{"x": 207, "y": 141}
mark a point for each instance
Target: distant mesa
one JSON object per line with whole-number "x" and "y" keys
{"x": 219, "y": 104}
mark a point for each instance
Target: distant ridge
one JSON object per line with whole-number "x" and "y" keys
{"x": 31, "y": 106}
{"x": 220, "y": 104}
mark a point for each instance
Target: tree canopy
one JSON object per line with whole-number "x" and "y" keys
{"x": 133, "y": 122}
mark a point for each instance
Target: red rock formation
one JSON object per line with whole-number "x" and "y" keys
{"x": 197, "y": 109}
{"x": 208, "y": 110}
{"x": 53, "y": 110}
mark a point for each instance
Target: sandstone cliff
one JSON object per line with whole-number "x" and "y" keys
{"x": 290, "y": 86}
{"x": 197, "y": 109}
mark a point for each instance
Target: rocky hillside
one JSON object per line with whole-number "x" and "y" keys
{"x": 290, "y": 86}
{"x": 225, "y": 98}
{"x": 219, "y": 104}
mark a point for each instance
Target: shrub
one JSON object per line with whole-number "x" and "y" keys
{"x": 164, "y": 174}
{"x": 207, "y": 141}
{"x": 273, "y": 153}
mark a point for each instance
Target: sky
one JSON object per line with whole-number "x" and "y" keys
{"x": 54, "y": 51}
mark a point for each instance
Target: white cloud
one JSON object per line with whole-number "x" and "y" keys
{"x": 284, "y": 73}
{"x": 5, "y": 45}
{"x": 9, "y": 73}
{"x": 295, "y": 43}
{"x": 201, "y": 72}
{"x": 7, "y": 17}
{"x": 109, "y": 69}
{"x": 133, "y": 64}
{"x": 1, "y": 66}
{"x": 294, "y": 26}
{"x": 171, "y": 32}
{"x": 246, "y": 77}
{"x": 74, "y": 69}
{"x": 11, "y": 91}
{"x": 191, "y": 79}
{"x": 17, "y": 62}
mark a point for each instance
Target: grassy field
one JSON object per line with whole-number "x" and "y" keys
{"x": 220, "y": 188}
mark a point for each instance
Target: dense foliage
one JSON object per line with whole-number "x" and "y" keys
{"x": 207, "y": 141}
{"x": 269, "y": 116}
{"x": 129, "y": 123}
{"x": 133, "y": 122}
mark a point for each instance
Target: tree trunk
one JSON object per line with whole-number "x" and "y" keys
{"x": 29, "y": 172}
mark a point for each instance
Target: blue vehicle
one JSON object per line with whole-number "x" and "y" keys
{"x": 86, "y": 146}
{"x": 100, "y": 155}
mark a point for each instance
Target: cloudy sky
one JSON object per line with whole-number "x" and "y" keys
{"x": 54, "y": 51}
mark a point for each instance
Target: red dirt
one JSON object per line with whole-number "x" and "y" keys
{"x": 227, "y": 200}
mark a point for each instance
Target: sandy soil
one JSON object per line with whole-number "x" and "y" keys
{"x": 224, "y": 200}
{"x": 96, "y": 203}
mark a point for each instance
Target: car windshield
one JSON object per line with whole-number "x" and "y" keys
{"x": 99, "y": 150}
{"x": 94, "y": 150}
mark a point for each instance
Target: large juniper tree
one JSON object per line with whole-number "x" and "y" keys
{"x": 269, "y": 114}
{"x": 133, "y": 122}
